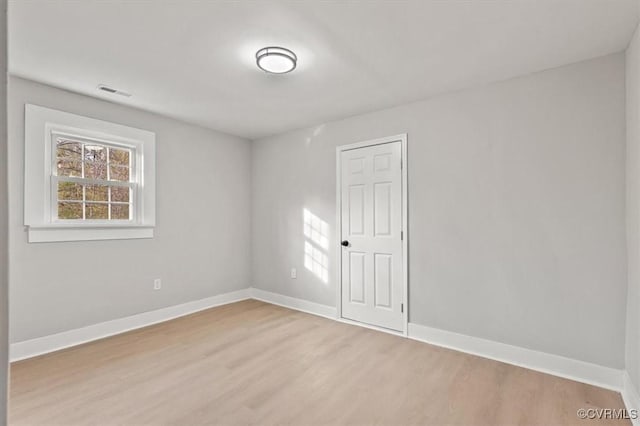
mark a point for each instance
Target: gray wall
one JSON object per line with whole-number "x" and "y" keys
{"x": 4, "y": 261}
{"x": 633, "y": 209}
{"x": 516, "y": 205}
{"x": 201, "y": 243}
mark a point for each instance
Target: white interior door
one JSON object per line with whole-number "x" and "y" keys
{"x": 371, "y": 235}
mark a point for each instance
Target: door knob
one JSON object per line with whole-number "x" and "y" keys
{"x": 345, "y": 243}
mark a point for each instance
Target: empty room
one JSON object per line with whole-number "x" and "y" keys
{"x": 367, "y": 212}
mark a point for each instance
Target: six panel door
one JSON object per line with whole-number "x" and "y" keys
{"x": 371, "y": 198}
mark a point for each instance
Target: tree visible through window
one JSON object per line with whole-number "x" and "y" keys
{"x": 93, "y": 181}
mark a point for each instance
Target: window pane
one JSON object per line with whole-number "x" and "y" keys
{"x": 119, "y": 157}
{"x": 69, "y": 191}
{"x": 97, "y": 162}
{"x": 69, "y": 168}
{"x": 120, "y": 211}
{"x": 69, "y": 210}
{"x": 97, "y": 193}
{"x": 120, "y": 193}
{"x": 120, "y": 173}
{"x": 68, "y": 150}
{"x": 97, "y": 211}
{"x": 95, "y": 170}
{"x": 95, "y": 153}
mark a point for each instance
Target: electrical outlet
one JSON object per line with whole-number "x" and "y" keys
{"x": 294, "y": 273}
{"x": 157, "y": 284}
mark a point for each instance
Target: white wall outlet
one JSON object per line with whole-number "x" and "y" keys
{"x": 294, "y": 273}
{"x": 157, "y": 284}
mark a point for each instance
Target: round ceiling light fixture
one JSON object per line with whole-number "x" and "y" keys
{"x": 276, "y": 60}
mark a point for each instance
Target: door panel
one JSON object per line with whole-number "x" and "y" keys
{"x": 381, "y": 162}
{"x": 356, "y": 209}
{"x": 382, "y": 209}
{"x": 383, "y": 280}
{"x": 371, "y": 200}
{"x": 356, "y": 276}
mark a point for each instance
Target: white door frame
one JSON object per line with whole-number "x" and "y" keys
{"x": 402, "y": 138}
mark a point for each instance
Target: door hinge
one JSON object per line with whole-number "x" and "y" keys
{"x": 402, "y": 308}
{"x": 401, "y": 235}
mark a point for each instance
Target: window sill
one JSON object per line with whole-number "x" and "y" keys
{"x": 87, "y": 233}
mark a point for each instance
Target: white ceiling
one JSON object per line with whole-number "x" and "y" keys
{"x": 194, "y": 60}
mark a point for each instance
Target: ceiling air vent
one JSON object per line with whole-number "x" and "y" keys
{"x": 108, "y": 89}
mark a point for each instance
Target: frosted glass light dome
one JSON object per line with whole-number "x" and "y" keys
{"x": 276, "y": 60}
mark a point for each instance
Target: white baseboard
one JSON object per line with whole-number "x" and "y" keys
{"x": 580, "y": 371}
{"x": 631, "y": 397}
{"x": 294, "y": 303}
{"x": 556, "y": 365}
{"x": 54, "y": 342}
{"x": 585, "y": 372}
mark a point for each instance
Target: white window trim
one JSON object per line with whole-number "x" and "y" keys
{"x": 40, "y": 124}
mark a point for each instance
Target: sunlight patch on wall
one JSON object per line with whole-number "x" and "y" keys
{"x": 316, "y": 229}
{"x": 316, "y": 261}
{"x": 316, "y": 232}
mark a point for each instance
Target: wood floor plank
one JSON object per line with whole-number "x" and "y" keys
{"x": 255, "y": 363}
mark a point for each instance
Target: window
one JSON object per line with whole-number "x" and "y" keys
{"x": 92, "y": 181}
{"x": 96, "y": 180}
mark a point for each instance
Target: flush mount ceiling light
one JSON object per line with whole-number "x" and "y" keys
{"x": 276, "y": 60}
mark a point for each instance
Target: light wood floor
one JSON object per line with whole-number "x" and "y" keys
{"x": 255, "y": 363}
